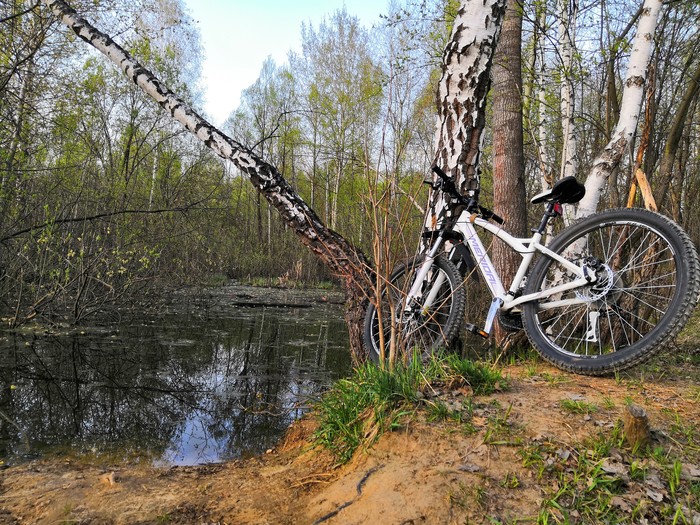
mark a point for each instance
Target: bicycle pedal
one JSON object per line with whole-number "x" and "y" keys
{"x": 476, "y": 330}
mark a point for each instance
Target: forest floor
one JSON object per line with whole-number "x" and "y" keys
{"x": 547, "y": 448}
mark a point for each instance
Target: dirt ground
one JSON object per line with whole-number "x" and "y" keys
{"x": 424, "y": 473}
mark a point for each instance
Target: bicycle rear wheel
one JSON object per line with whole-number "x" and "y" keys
{"x": 647, "y": 285}
{"x": 416, "y": 328}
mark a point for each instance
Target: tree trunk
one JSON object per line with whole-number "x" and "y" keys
{"x": 344, "y": 259}
{"x": 673, "y": 140}
{"x": 632, "y": 98}
{"x": 567, "y": 31}
{"x": 545, "y": 161}
{"x": 508, "y": 156}
{"x": 461, "y": 98}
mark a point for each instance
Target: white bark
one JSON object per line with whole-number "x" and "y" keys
{"x": 546, "y": 176}
{"x": 567, "y": 46}
{"x": 632, "y": 98}
{"x": 462, "y": 97}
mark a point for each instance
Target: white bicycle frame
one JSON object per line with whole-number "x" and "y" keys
{"x": 502, "y": 299}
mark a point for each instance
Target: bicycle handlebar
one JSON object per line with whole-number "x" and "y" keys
{"x": 448, "y": 186}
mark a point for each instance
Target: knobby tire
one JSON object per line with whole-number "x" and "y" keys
{"x": 648, "y": 284}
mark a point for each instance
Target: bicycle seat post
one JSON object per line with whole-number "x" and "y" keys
{"x": 552, "y": 210}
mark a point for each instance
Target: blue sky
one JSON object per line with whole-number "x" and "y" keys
{"x": 238, "y": 35}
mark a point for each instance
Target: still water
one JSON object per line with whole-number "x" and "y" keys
{"x": 184, "y": 387}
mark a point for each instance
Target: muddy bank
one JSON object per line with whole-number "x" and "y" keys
{"x": 504, "y": 458}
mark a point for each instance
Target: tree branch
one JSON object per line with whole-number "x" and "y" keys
{"x": 17, "y": 15}
{"x": 95, "y": 217}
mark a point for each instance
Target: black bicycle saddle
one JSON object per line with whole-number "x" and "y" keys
{"x": 565, "y": 191}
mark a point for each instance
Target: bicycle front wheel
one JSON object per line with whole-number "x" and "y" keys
{"x": 647, "y": 283}
{"x": 389, "y": 323}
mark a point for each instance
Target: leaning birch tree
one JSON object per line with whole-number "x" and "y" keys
{"x": 343, "y": 259}
{"x": 630, "y": 108}
{"x": 461, "y": 104}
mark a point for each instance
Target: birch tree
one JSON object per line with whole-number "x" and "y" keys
{"x": 461, "y": 98}
{"x": 632, "y": 98}
{"x": 567, "y": 39}
{"x": 461, "y": 116}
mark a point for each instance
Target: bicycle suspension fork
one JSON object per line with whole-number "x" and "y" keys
{"x": 414, "y": 293}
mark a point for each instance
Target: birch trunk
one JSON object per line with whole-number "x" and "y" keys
{"x": 567, "y": 32}
{"x": 632, "y": 97}
{"x": 461, "y": 98}
{"x": 546, "y": 174}
{"x": 345, "y": 260}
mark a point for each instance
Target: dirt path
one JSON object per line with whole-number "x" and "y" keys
{"x": 500, "y": 463}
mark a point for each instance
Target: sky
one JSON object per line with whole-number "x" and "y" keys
{"x": 238, "y": 35}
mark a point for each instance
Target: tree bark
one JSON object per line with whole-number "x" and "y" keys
{"x": 344, "y": 259}
{"x": 632, "y": 98}
{"x": 508, "y": 155}
{"x": 636, "y": 427}
{"x": 545, "y": 161}
{"x": 567, "y": 34}
{"x": 673, "y": 140}
{"x": 461, "y": 98}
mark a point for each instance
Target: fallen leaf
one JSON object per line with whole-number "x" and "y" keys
{"x": 621, "y": 503}
{"x": 690, "y": 473}
{"x": 617, "y": 469}
{"x": 655, "y": 496}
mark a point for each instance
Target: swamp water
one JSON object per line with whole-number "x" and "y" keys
{"x": 202, "y": 381}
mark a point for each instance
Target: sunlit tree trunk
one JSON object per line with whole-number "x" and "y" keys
{"x": 632, "y": 98}
{"x": 461, "y": 98}
{"x": 545, "y": 159}
{"x": 567, "y": 35}
{"x": 336, "y": 252}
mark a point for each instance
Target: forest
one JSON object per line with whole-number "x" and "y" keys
{"x": 104, "y": 199}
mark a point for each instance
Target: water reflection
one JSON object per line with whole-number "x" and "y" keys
{"x": 173, "y": 390}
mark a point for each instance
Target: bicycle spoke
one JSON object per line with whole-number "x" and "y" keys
{"x": 636, "y": 282}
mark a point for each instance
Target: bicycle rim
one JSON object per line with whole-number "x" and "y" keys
{"x": 623, "y": 314}
{"x": 416, "y": 328}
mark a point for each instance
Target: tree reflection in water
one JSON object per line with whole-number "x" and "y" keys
{"x": 174, "y": 390}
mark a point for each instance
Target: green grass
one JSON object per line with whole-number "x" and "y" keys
{"x": 577, "y": 406}
{"x": 357, "y": 410}
{"x": 588, "y": 486}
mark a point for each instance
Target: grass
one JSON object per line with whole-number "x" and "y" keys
{"x": 588, "y": 486}
{"x": 595, "y": 480}
{"x": 357, "y": 410}
{"x": 577, "y": 406}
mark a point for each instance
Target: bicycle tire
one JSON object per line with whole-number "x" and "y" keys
{"x": 647, "y": 287}
{"x": 426, "y": 331}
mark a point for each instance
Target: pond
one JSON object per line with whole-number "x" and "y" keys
{"x": 201, "y": 381}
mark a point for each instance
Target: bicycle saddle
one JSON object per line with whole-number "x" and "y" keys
{"x": 565, "y": 191}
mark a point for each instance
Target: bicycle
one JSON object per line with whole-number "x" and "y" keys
{"x": 603, "y": 296}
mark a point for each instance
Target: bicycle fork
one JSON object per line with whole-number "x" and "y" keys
{"x": 415, "y": 292}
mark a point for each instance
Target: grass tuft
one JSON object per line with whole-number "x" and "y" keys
{"x": 357, "y": 410}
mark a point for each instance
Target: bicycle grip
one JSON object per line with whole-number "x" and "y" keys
{"x": 440, "y": 173}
